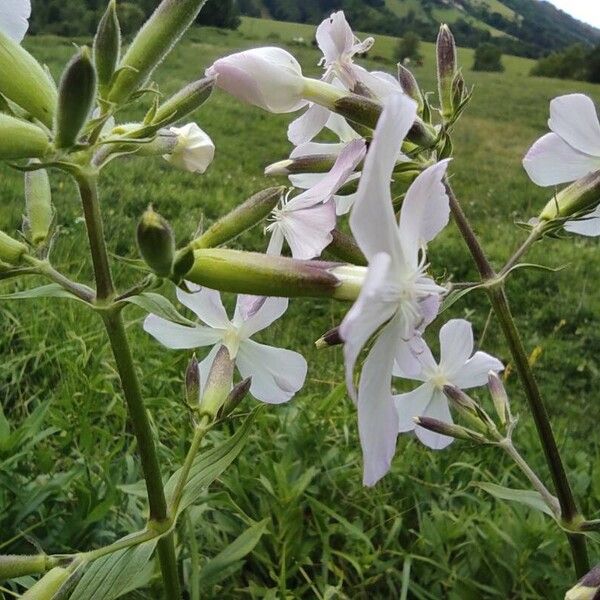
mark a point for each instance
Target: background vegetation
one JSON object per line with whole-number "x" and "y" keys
{"x": 67, "y": 476}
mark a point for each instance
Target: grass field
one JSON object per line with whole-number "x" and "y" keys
{"x": 66, "y": 477}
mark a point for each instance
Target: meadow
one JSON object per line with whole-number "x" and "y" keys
{"x": 427, "y": 531}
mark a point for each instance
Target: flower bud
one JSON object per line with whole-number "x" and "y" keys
{"x": 409, "y": 85}
{"x": 330, "y": 338}
{"x": 499, "y": 397}
{"x": 269, "y": 78}
{"x": 24, "y": 81}
{"x": 192, "y": 382}
{"x": 351, "y": 279}
{"x": 12, "y": 566}
{"x": 185, "y": 101}
{"x": 76, "y": 95}
{"x": 587, "y": 588}
{"x": 449, "y": 429}
{"x": 466, "y": 407}
{"x": 218, "y": 383}
{"x": 152, "y": 43}
{"x": 194, "y": 150}
{"x": 315, "y": 163}
{"x": 344, "y": 248}
{"x": 262, "y": 275}
{"x": 237, "y": 394}
{"x": 38, "y": 205}
{"x": 21, "y": 139}
{"x": 48, "y": 585}
{"x": 241, "y": 218}
{"x": 459, "y": 92}
{"x": 446, "y": 69}
{"x": 11, "y": 250}
{"x": 156, "y": 242}
{"x": 107, "y": 46}
{"x": 163, "y": 143}
{"x": 580, "y": 197}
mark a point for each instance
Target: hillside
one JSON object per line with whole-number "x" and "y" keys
{"x": 530, "y": 28}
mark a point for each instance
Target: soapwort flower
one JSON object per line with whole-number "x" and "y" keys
{"x": 458, "y": 366}
{"x": 398, "y": 298}
{"x": 194, "y": 150}
{"x": 277, "y": 374}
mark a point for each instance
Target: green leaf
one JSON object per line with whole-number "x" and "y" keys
{"x": 113, "y": 575}
{"x": 529, "y": 498}
{"x": 456, "y": 295}
{"x": 209, "y": 464}
{"x": 160, "y": 306}
{"x": 223, "y": 564}
{"x": 52, "y": 290}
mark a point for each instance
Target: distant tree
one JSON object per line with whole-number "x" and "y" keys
{"x": 488, "y": 58}
{"x": 408, "y": 47}
{"x": 249, "y": 8}
{"x": 572, "y": 63}
{"x": 594, "y": 65}
{"x": 220, "y": 13}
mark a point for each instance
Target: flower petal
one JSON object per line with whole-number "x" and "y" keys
{"x": 341, "y": 128}
{"x": 206, "y": 304}
{"x": 312, "y": 148}
{"x": 179, "y": 337}
{"x": 276, "y": 242}
{"x": 372, "y": 220}
{"x": 456, "y": 345}
{"x": 308, "y": 125}
{"x": 551, "y": 161}
{"x": 334, "y": 37}
{"x": 589, "y": 225}
{"x": 382, "y": 85}
{"x": 377, "y": 416}
{"x": 411, "y": 405}
{"x": 437, "y": 409}
{"x": 258, "y": 312}
{"x": 475, "y": 371}
{"x": 277, "y": 374}
{"x": 573, "y": 117}
{"x": 205, "y": 365}
{"x": 14, "y": 18}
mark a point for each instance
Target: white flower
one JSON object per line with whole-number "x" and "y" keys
{"x": 572, "y": 150}
{"x": 398, "y": 299}
{"x": 306, "y": 221}
{"x": 194, "y": 150}
{"x": 269, "y": 78}
{"x": 277, "y": 374}
{"x": 14, "y": 18}
{"x": 458, "y": 366}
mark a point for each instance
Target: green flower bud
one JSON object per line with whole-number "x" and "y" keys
{"x": 185, "y": 101}
{"x": 192, "y": 382}
{"x": 77, "y": 92}
{"x": 107, "y": 45}
{"x": 446, "y": 69}
{"x": 315, "y": 163}
{"x": 466, "y": 407}
{"x": 499, "y": 397}
{"x": 24, "y": 81}
{"x": 152, "y": 43}
{"x": 450, "y": 429}
{"x": 588, "y": 587}
{"x": 156, "y": 242}
{"x": 11, "y": 250}
{"x": 48, "y": 585}
{"x": 20, "y": 139}
{"x": 241, "y": 218}
{"x": 330, "y": 338}
{"x": 218, "y": 383}
{"x": 344, "y": 248}
{"x": 410, "y": 86}
{"x": 12, "y": 566}
{"x": 262, "y": 275}
{"x": 580, "y": 197}
{"x": 237, "y": 394}
{"x": 38, "y": 205}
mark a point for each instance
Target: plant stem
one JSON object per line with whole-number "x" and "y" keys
{"x": 115, "y": 328}
{"x": 499, "y": 301}
{"x": 533, "y": 237}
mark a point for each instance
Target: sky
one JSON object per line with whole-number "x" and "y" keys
{"x": 587, "y": 11}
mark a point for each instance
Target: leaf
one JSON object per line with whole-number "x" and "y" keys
{"x": 158, "y": 305}
{"x": 228, "y": 560}
{"x": 52, "y": 290}
{"x": 113, "y": 575}
{"x": 209, "y": 464}
{"x": 529, "y": 498}
{"x": 456, "y": 295}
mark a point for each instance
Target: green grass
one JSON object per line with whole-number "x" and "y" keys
{"x": 426, "y": 525}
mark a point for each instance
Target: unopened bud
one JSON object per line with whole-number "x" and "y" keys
{"x": 107, "y": 46}
{"x": 465, "y": 406}
{"x": 237, "y": 394}
{"x": 499, "y": 397}
{"x": 192, "y": 382}
{"x": 587, "y": 588}
{"x": 156, "y": 242}
{"x": 458, "y": 91}
{"x": 449, "y": 429}
{"x": 77, "y": 92}
{"x": 262, "y": 275}
{"x": 163, "y": 143}
{"x": 48, "y": 585}
{"x": 409, "y": 85}
{"x": 152, "y": 43}
{"x": 38, "y": 205}
{"x": 331, "y": 338}
{"x": 241, "y": 218}
{"x": 218, "y": 383}
{"x": 316, "y": 163}
{"x": 12, "y": 566}
{"x": 185, "y": 101}
{"x": 20, "y": 139}
{"x": 344, "y": 248}
{"x": 24, "y": 81}
{"x": 580, "y": 197}
{"x": 446, "y": 69}
{"x": 11, "y": 250}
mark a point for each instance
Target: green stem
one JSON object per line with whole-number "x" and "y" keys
{"x": 194, "y": 561}
{"x": 499, "y": 301}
